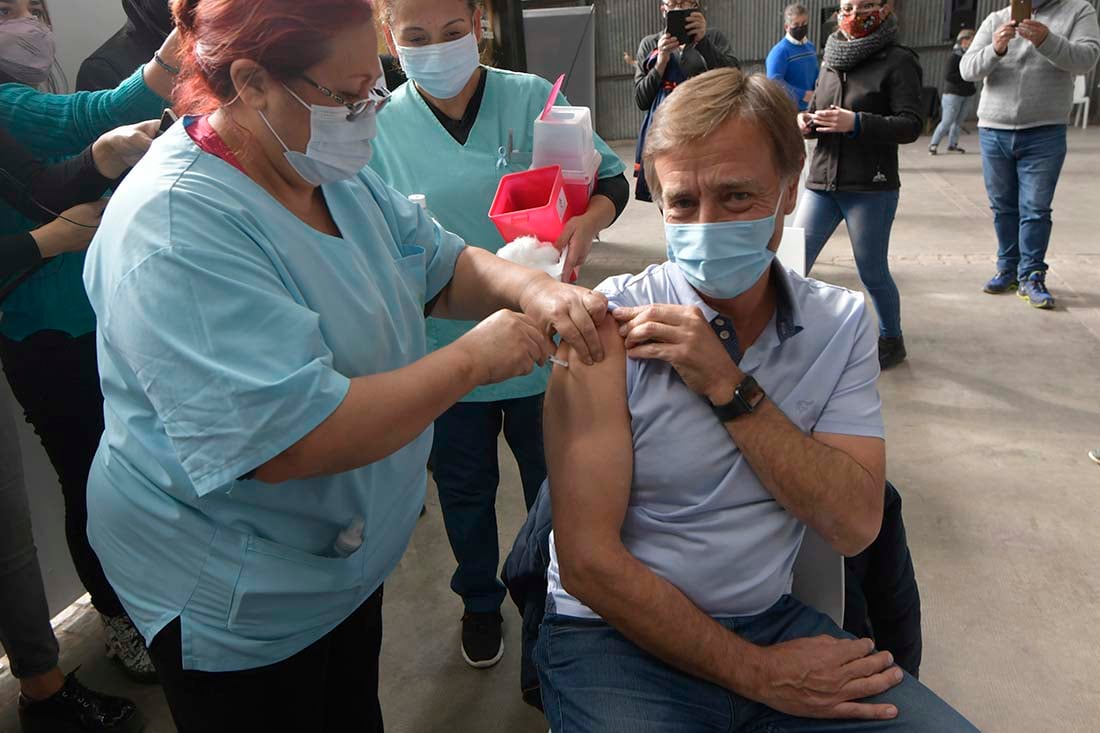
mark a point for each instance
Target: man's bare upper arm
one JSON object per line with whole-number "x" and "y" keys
{"x": 589, "y": 449}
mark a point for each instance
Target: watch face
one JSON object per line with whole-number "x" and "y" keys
{"x": 750, "y": 392}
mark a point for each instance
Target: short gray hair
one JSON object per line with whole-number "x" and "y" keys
{"x": 699, "y": 107}
{"x": 793, "y": 11}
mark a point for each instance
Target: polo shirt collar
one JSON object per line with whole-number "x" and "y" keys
{"x": 788, "y": 315}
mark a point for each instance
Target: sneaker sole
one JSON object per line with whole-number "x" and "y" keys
{"x": 486, "y": 663}
{"x": 1094, "y": 456}
{"x": 1044, "y": 306}
{"x": 993, "y": 291}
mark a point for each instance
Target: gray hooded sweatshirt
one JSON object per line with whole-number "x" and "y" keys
{"x": 1033, "y": 86}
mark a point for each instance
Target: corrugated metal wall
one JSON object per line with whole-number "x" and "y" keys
{"x": 753, "y": 27}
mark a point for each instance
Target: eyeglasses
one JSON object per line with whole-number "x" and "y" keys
{"x": 862, "y": 9}
{"x": 682, "y": 5}
{"x": 377, "y": 97}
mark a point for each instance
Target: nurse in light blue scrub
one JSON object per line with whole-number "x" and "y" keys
{"x": 457, "y": 116}
{"x": 269, "y": 390}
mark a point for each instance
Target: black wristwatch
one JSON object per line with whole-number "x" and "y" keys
{"x": 746, "y": 398}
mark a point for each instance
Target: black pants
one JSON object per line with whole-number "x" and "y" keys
{"x": 882, "y": 601}
{"x": 331, "y": 685}
{"x": 55, "y": 378}
{"x": 467, "y": 475}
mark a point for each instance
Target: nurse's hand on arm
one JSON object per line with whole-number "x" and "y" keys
{"x": 581, "y": 231}
{"x": 483, "y": 283}
{"x": 383, "y": 413}
{"x": 590, "y": 458}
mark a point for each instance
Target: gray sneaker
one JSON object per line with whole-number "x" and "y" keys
{"x": 1095, "y": 455}
{"x": 126, "y": 647}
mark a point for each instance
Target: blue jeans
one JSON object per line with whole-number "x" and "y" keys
{"x": 953, "y": 107}
{"x": 1021, "y": 172}
{"x": 467, "y": 474}
{"x": 870, "y": 217}
{"x": 596, "y": 681}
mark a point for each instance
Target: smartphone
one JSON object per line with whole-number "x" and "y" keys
{"x": 1021, "y": 10}
{"x": 677, "y": 24}
{"x": 167, "y": 120}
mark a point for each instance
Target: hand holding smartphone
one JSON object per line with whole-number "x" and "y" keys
{"x": 677, "y": 24}
{"x": 1021, "y": 11}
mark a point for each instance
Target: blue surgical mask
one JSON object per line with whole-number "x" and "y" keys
{"x": 442, "y": 69}
{"x": 723, "y": 259}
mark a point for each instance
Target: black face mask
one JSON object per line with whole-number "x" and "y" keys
{"x": 799, "y": 32}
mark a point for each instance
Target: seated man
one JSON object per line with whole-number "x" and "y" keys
{"x": 737, "y": 405}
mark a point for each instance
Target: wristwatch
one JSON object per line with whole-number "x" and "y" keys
{"x": 746, "y": 398}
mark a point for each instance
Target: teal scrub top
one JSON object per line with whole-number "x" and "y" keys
{"x": 228, "y": 329}
{"x": 415, "y": 154}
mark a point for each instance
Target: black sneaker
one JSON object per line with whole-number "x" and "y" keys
{"x": 76, "y": 709}
{"x": 891, "y": 352}
{"x": 482, "y": 639}
{"x": 957, "y": 149}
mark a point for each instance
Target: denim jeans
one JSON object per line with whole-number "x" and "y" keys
{"x": 1021, "y": 172}
{"x": 870, "y": 218}
{"x": 953, "y": 108}
{"x": 25, "y": 632}
{"x": 594, "y": 680}
{"x": 467, "y": 474}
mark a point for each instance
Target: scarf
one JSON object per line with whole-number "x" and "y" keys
{"x": 843, "y": 53}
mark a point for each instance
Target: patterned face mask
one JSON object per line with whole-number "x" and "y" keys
{"x": 861, "y": 26}
{"x": 26, "y": 50}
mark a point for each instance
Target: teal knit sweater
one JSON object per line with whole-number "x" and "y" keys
{"x": 54, "y": 127}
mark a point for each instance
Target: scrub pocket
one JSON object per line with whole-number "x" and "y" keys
{"x": 413, "y": 270}
{"x": 281, "y": 590}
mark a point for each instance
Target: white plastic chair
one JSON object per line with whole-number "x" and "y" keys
{"x": 1081, "y": 103}
{"x": 819, "y": 577}
{"x": 818, "y": 569}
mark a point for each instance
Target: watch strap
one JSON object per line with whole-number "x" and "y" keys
{"x": 746, "y": 398}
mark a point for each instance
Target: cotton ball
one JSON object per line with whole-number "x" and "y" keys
{"x": 530, "y": 252}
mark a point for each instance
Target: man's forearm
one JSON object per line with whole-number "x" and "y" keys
{"x": 482, "y": 285}
{"x": 822, "y": 486}
{"x": 659, "y": 618}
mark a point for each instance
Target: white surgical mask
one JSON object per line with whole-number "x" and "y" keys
{"x": 442, "y": 69}
{"x": 723, "y": 259}
{"x": 339, "y": 146}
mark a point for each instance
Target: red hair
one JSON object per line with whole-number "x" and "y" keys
{"x": 286, "y": 37}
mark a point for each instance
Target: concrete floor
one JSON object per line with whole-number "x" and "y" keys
{"x": 989, "y": 424}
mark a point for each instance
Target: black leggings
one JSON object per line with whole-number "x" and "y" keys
{"x": 331, "y": 685}
{"x": 55, "y": 378}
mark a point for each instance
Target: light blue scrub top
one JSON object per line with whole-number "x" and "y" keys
{"x": 698, "y": 514}
{"x": 228, "y": 330}
{"x": 415, "y": 154}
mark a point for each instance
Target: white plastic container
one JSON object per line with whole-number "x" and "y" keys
{"x": 580, "y": 184}
{"x": 564, "y": 138}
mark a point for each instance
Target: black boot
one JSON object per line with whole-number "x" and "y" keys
{"x": 76, "y": 709}
{"x": 891, "y": 352}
